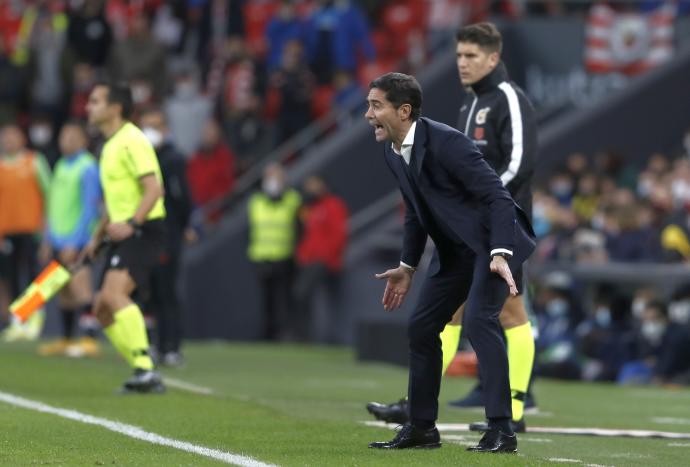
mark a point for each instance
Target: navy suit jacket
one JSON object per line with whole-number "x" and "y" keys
{"x": 453, "y": 195}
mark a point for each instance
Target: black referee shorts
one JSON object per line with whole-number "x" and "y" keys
{"x": 138, "y": 254}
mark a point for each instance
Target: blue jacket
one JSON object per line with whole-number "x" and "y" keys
{"x": 351, "y": 35}
{"x": 454, "y": 196}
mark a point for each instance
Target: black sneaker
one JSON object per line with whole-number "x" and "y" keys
{"x": 475, "y": 398}
{"x": 144, "y": 382}
{"x": 397, "y": 412}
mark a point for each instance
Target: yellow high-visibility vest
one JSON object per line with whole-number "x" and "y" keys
{"x": 273, "y": 226}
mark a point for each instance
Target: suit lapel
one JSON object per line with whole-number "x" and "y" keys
{"x": 397, "y": 163}
{"x": 419, "y": 147}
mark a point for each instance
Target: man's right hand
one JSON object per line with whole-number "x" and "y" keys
{"x": 397, "y": 285}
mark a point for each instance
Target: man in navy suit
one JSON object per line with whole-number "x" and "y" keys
{"x": 481, "y": 237}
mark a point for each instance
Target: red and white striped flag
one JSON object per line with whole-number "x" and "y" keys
{"x": 628, "y": 42}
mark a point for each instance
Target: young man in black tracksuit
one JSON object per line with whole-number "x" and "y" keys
{"x": 499, "y": 118}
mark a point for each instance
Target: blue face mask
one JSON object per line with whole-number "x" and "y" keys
{"x": 603, "y": 317}
{"x": 557, "y": 308}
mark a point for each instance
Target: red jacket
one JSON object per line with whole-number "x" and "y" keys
{"x": 212, "y": 174}
{"x": 325, "y": 233}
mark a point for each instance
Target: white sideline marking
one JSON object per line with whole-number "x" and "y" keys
{"x": 679, "y": 445}
{"x": 443, "y": 427}
{"x": 133, "y": 432}
{"x": 564, "y": 460}
{"x": 189, "y": 387}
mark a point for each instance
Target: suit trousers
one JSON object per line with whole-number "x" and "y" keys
{"x": 465, "y": 278}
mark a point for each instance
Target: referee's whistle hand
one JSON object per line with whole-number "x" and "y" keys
{"x": 118, "y": 231}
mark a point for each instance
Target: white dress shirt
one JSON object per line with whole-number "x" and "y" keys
{"x": 406, "y": 147}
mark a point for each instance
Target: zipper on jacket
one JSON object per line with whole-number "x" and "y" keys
{"x": 469, "y": 117}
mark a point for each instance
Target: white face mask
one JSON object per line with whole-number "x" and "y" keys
{"x": 638, "y": 306}
{"x": 603, "y": 317}
{"x": 272, "y": 186}
{"x": 679, "y": 312}
{"x": 154, "y": 136}
{"x": 653, "y": 331}
{"x": 40, "y": 135}
{"x": 141, "y": 93}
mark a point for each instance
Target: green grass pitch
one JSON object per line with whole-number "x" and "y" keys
{"x": 300, "y": 405}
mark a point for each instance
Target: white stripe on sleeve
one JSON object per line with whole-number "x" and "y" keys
{"x": 516, "y": 128}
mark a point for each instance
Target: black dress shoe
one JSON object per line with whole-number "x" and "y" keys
{"x": 518, "y": 426}
{"x": 496, "y": 441}
{"x": 390, "y": 413}
{"x": 411, "y": 437}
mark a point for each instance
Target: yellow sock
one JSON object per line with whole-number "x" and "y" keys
{"x": 117, "y": 336}
{"x": 520, "y": 342}
{"x": 132, "y": 321}
{"x": 450, "y": 337}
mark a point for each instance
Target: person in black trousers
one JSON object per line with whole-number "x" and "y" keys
{"x": 163, "y": 298}
{"x": 481, "y": 237}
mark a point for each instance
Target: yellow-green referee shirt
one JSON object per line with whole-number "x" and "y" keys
{"x": 126, "y": 157}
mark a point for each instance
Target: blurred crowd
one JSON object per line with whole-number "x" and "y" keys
{"x": 601, "y": 210}
{"x": 631, "y": 337}
{"x": 263, "y": 69}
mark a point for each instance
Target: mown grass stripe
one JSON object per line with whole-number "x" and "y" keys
{"x": 132, "y": 431}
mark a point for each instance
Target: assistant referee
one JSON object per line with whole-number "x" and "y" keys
{"x": 133, "y": 225}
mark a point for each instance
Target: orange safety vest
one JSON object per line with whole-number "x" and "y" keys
{"x": 21, "y": 200}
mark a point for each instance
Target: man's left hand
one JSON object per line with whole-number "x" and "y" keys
{"x": 118, "y": 231}
{"x": 499, "y": 265}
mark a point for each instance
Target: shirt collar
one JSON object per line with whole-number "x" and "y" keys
{"x": 407, "y": 143}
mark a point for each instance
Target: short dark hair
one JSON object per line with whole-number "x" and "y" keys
{"x": 401, "y": 89}
{"x": 119, "y": 93}
{"x": 485, "y": 35}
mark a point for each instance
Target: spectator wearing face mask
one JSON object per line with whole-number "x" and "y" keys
{"x": 42, "y": 138}
{"x": 163, "y": 300}
{"x": 273, "y": 229}
{"x": 606, "y": 338}
{"x": 664, "y": 350}
{"x": 320, "y": 252}
{"x": 558, "y": 314}
{"x": 187, "y": 111}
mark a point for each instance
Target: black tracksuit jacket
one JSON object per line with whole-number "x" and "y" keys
{"x": 500, "y": 120}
